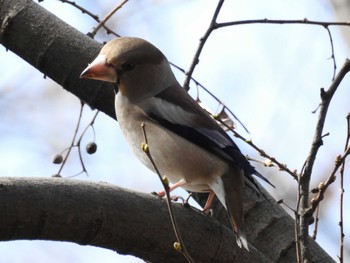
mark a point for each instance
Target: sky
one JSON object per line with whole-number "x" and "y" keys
{"x": 268, "y": 75}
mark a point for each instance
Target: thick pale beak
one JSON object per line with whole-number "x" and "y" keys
{"x": 99, "y": 69}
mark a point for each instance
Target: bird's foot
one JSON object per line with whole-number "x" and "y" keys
{"x": 162, "y": 194}
{"x": 206, "y": 208}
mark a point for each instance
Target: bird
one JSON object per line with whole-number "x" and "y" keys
{"x": 185, "y": 142}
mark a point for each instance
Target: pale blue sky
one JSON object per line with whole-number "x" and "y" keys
{"x": 269, "y": 75}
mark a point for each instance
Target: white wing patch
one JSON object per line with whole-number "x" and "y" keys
{"x": 171, "y": 112}
{"x": 177, "y": 115}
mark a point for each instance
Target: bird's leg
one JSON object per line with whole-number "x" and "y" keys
{"x": 188, "y": 198}
{"x": 180, "y": 183}
{"x": 184, "y": 201}
{"x": 210, "y": 199}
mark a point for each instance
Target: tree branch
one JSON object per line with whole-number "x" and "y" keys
{"x": 304, "y": 181}
{"x": 103, "y": 215}
{"x": 55, "y": 48}
{"x": 61, "y": 53}
{"x": 108, "y": 216}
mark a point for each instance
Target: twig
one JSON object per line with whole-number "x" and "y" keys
{"x": 314, "y": 235}
{"x": 108, "y": 16}
{"x": 180, "y": 246}
{"x": 304, "y": 21}
{"x": 297, "y": 227}
{"x": 214, "y": 25}
{"x": 324, "y": 186}
{"x": 282, "y": 167}
{"x": 198, "y": 84}
{"x": 306, "y": 212}
{"x": 80, "y": 139}
{"x": 202, "y": 41}
{"x": 332, "y": 50}
{"x": 82, "y": 9}
{"x": 73, "y": 140}
{"x": 77, "y": 143}
{"x": 341, "y": 197}
{"x": 93, "y": 16}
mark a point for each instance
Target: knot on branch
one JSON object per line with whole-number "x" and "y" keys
{"x": 323, "y": 94}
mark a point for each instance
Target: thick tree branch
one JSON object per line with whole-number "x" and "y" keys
{"x": 55, "y": 48}
{"x": 128, "y": 222}
{"x": 107, "y": 216}
{"x": 61, "y": 52}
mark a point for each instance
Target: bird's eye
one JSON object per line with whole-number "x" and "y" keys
{"x": 126, "y": 66}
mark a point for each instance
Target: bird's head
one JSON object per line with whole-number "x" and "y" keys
{"x": 135, "y": 65}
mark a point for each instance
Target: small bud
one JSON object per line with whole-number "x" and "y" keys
{"x": 166, "y": 180}
{"x": 57, "y": 159}
{"x": 268, "y": 163}
{"x": 321, "y": 186}
{"x": 144, "y": 147}
{"x": 177, "y": 246}
{"x": 332, "y": 179}
{"x": 91, "y": 147}
{"x": 338, "y": 159}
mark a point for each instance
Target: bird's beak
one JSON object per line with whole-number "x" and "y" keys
{"x": 99, "y": 69}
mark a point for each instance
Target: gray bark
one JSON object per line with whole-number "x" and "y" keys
{"x": 104, "y": 215}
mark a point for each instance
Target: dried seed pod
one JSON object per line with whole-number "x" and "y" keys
{"x": 91, "y": 147}
{"x": 57, "y": 159}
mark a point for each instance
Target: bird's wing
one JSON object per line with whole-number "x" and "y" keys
{"x": 175, "y": 110}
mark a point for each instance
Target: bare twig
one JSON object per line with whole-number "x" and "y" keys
{"x": 305, "y": 210}
{"x": 314, "y": 234}
{"x": 214, "y": 25}
{"x": 77, "y": 143}
{"x": 322, "y": 187}
{"x": 198, "y": 84}
{"x": 80, "y": 139}
{"x": 106, "y": 18}
{"x": 82, "y": 9}
{"x": 180, "y": 246}
{"x": 304, "y": 21}
{"x": 332, "y": 50}
{"x": 73, "y": 139}
{"x": 281, "y": 166}
{"x": 202, "y": 41}
{"x": 341, "y": 197}
{"x": 297, "y": 226}
{"x": 93, "y": 16}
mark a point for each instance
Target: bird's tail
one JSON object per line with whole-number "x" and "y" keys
{"x": 241, "y": 239}
{"x": 229, "y": 190}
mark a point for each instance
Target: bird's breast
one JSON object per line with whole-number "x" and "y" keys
{"x": 174, "y": 156}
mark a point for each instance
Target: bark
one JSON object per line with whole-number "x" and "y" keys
{"x": 105, "y": 215}
{"x": 108, "y": 216}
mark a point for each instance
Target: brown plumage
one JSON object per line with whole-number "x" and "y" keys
{"x": 187, "y": 145}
